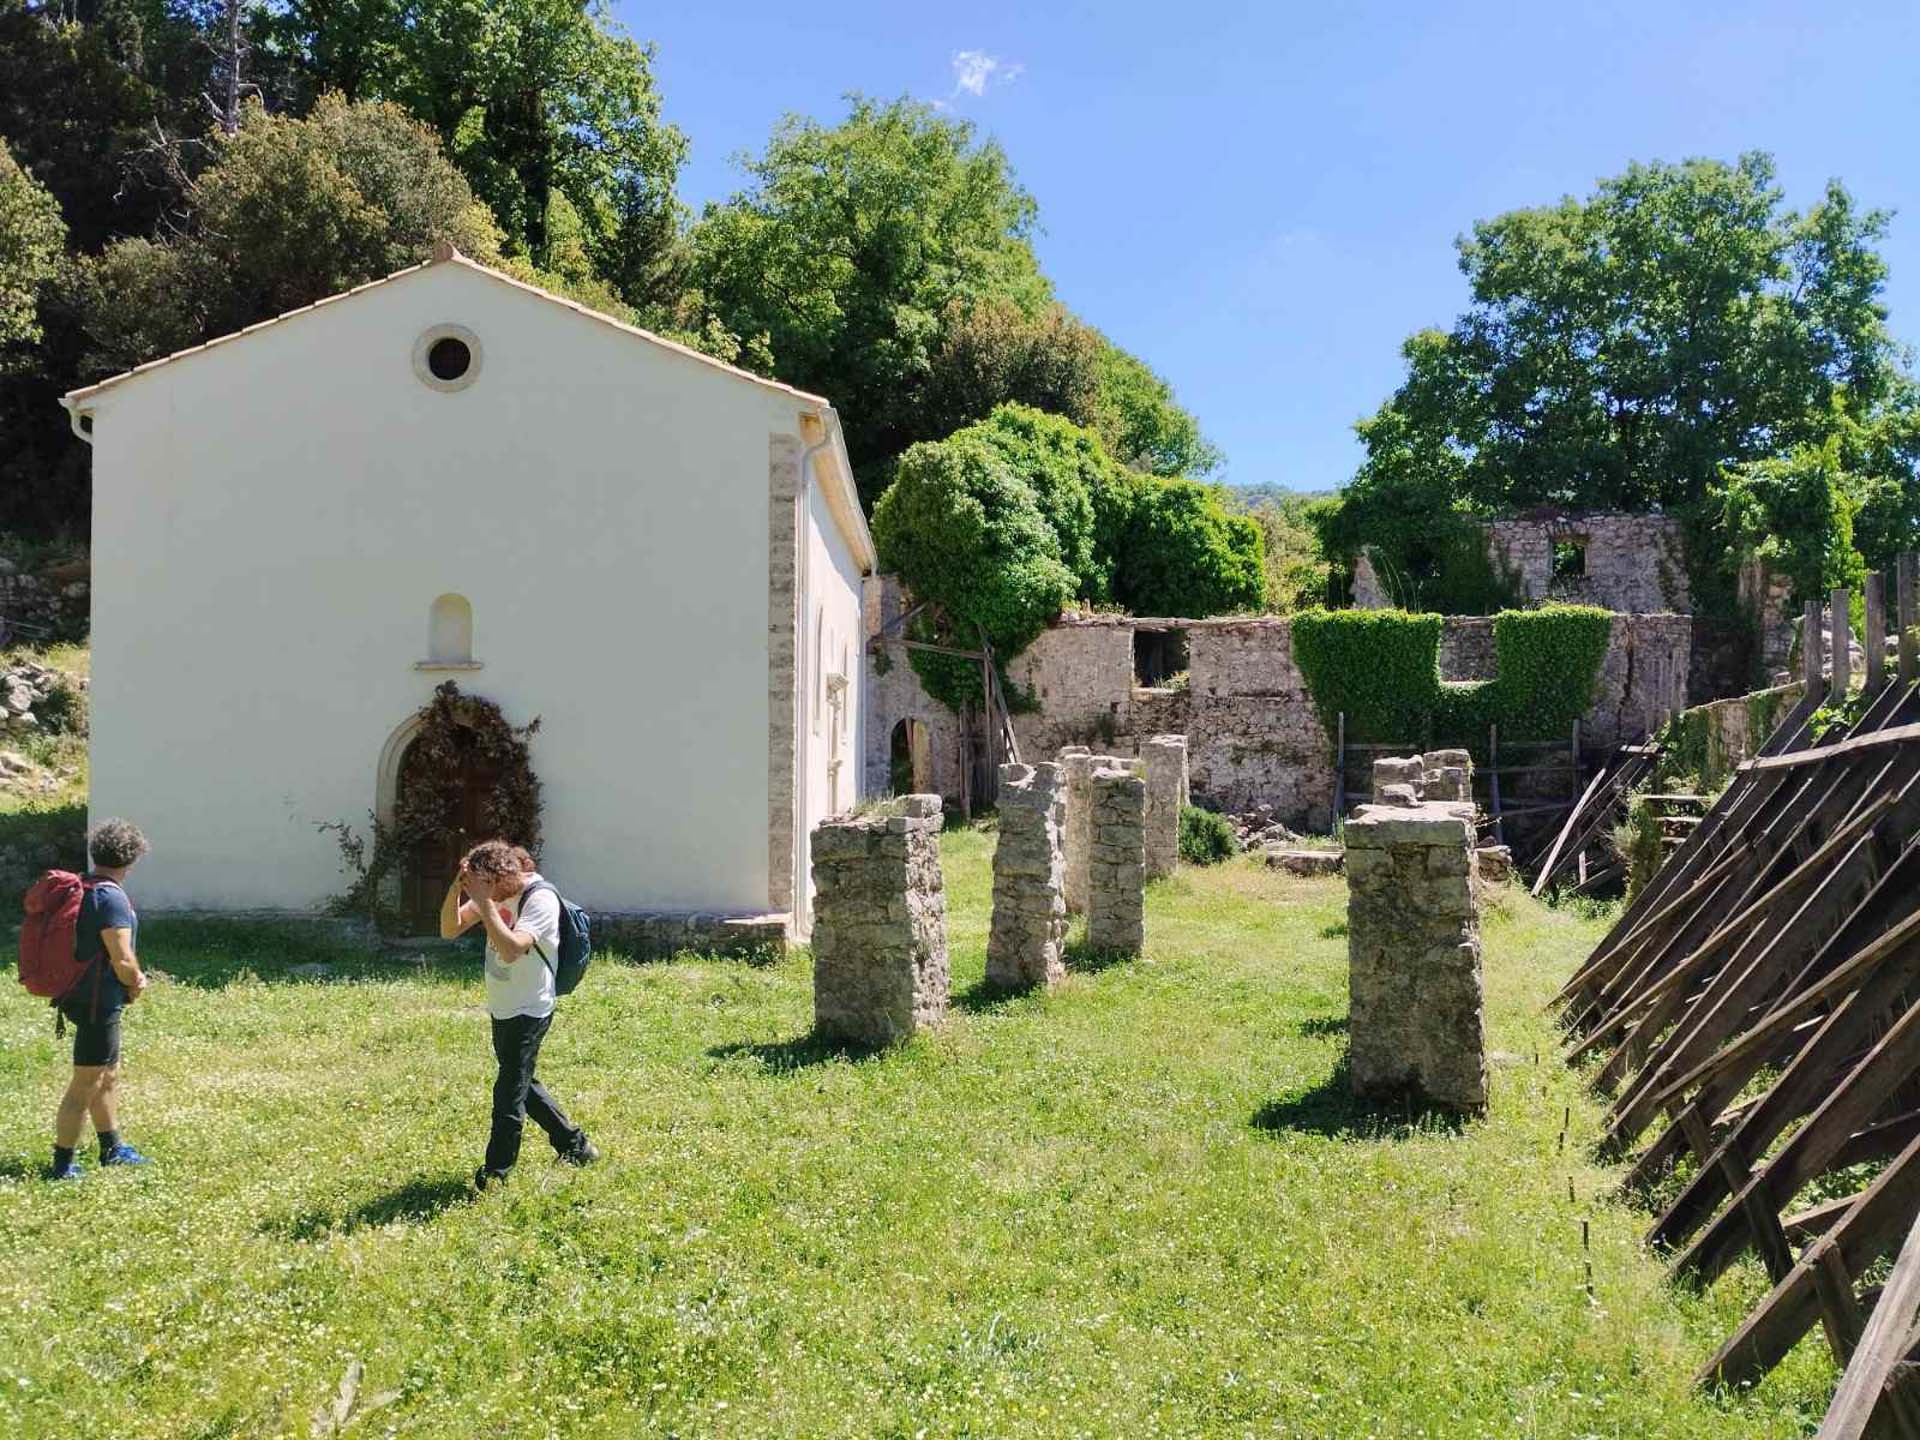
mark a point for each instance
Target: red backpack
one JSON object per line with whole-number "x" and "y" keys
{"x": 48, "y": 965}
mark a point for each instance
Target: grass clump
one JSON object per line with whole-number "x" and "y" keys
{"x": 1146, "y": 1203}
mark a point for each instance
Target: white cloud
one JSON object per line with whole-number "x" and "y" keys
{"x": 975, "y": 70}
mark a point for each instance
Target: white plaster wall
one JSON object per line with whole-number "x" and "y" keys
{"x": 831, "y": 643}
{"x": 273, "y": 518}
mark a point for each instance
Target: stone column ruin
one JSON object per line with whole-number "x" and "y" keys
{"x": 1076, "y": 763}
{"x": 1026, "y": 946}
{"x": 1117, "y": 862}
{"x": 880, "y": 924}
{"x": 1164, "y": 759}
{"x": 1416, "y": 1023}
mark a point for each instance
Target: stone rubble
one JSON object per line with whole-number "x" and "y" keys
{"x": 1416, "y": 1018}
{"x": 1117, "y": 862}
{"x": 25, "y": 684}
{"x": 1307, "y": 862}
{"x": 880, "y": 924}
{"x": 1026, "y": 945}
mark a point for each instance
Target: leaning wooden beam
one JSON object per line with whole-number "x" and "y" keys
{"x": 1810, "y": 1151}
{"x": 1881, "y": 1215}
{"x": 1868, "y": 1385}
{"x": 1882, "y": 970}
{"x": 1896, "y": 735}
{"x": 1566, "y": 830}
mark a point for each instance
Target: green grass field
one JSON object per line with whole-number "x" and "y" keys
{"x": 1143, "y": 1205}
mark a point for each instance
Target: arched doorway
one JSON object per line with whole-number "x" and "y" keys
{"x": 428, "y": 864}
{"x": 910, "y": 759}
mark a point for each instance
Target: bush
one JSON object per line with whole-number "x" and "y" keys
{"x": 1206, "y": 838}
{"x": 1183, "y": 554}
{"x": 1639, "y": 844}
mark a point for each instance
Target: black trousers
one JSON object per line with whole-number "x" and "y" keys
{"x": 517, "y": 1094}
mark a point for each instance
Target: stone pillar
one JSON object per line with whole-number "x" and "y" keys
{"x": 1416, "y": 1022}
{"x": 1117, "y": 862}
{"x": 1389, "y": 771}
{"x": 1076, "y": 763}
{"x": 1026, "y": 944}
{"x": 880, "y": 924}
{"x": 1446, "y": 775}
{"x": 1164, "y": 758}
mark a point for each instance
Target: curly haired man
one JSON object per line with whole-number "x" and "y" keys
{"x": 521, "y": 915}
{"x": 112, "y": 980}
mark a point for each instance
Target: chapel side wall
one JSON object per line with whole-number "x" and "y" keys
{"x": 274, "y": 518}
{"x": 830, "y": 650}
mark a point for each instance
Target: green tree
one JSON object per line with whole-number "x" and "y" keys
{"x": 1184, "y": 554}
{"x": 850, "y": 249}
{"x": 31, "y": 236}
{"x": 967, "y": 534}
{"x": 1622, "y": 350}
{"x": 1135, "y": 410}
{"x": 538, "y": 102}
{"x": 293, "y": 211}
{"x": 1295, "y": 570}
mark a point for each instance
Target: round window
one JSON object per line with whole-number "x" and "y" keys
{"x": 447, "y": 357}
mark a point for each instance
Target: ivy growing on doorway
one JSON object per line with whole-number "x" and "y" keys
{"x": 458, "y": 734}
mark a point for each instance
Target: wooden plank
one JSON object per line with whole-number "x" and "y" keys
{"x": 1875, "y": 639}
{"x": 1875, "y": 1222}
{"x": 1840, "y": 641}
{"x": 1820, "y": 754}
{"x": 1812, "y": 1148}
{"x": 1553, "y": 854}
{"x": 1882, "y": 1344}
{"x": 1906, "y": 602}
{"x": 1813, "y": 644}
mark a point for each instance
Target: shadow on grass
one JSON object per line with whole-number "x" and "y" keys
{"x": 1332, "y": 1109}
{"x": 1084, "y": 958}
{"x": 1336, "y": 931}
{"x": 211, "y": 953}
{"x": 12, "y": 1167}
{"x": 418, "y": 1200}
{"x": 983, "y": 997}
{"x": 786, "y": 1057}
{"x": 1322, "y": 1025}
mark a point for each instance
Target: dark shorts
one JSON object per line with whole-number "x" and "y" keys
{"x": 96, "y": 1039}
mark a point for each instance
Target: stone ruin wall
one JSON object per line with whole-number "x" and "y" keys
{"x": 1636, "y": 564}
{"x": 1253, "y": 734}
{"x": 39, "y": 609}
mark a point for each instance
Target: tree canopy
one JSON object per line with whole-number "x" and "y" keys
{"x": 31, "y": 236}
{"x": 886, "y": 263}
{"x": 1623, "y": 350}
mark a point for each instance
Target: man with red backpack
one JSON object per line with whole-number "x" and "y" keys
{"x": 77, "y": 948}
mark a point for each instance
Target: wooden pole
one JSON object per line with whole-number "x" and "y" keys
{"x": 1875, "y": 592}
{"x": 1904, "y": 603}
{"x": 1841, "y": 621}
{"x": 1340, "y": 770}
{"x": 1812, "y": 643}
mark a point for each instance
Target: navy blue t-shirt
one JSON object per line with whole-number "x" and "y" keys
{"x": 105, "y": 906}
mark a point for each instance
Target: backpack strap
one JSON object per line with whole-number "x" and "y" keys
{"x": 553, "y": 961}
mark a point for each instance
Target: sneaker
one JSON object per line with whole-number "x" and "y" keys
{"x": 484, "y": 1177}
{"x": 69, "y": 1171}
{"x": 583, "y": 1153}
{"x": 124, "y": 1154}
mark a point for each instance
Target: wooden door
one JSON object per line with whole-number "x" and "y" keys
{"x": 429, "y": 865}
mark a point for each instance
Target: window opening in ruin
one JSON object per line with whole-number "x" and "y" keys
{"x": 910, "y": 760}
{"x": 450, "y": 631}
{"x": 1570, "y": 559}
{"x": 1159, "y": 656}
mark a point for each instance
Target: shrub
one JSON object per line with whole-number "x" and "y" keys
{"x": 1206, "y": 838}
{"x": 1639, "y": 843}
{"x": 1183, "y": 554}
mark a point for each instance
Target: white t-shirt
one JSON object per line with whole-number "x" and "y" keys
{"x": 525, "y": 986}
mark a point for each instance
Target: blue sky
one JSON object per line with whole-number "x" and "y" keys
{"x": 1261, "y": 200}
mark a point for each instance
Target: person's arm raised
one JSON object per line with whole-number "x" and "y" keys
{"x": 509, "y": 945}
{"x": 457, "y": 916}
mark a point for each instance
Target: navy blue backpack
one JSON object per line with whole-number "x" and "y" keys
{"x": 576, "y": 941}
